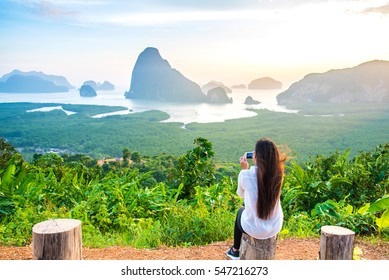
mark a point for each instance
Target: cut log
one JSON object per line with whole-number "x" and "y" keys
{"x": 336, "y": 243}
{"x": 59, "y": 239}
{"x": 257, "y": 249}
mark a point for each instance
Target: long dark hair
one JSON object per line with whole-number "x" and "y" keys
{"x": 270, "y": 171}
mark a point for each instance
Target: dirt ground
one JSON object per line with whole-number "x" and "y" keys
{"x": 287, "y": 249}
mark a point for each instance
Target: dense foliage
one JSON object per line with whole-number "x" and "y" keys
{"x": 185, "y": 200}
{"x": 334, "y": 190}
{"x": 316, "y": 130}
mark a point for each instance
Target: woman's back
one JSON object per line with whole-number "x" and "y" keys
{"x": 251, "y": 223}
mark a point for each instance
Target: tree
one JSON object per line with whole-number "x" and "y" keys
{"x": 81, "y": 158}
{"x": 51, "y": 161}
{"x": 196, "y": 167}
{"x": 6, "y": 153}
{"x": 126, "y": 156}
{"x": 135, "y": 157}
{"x": 161, "y": 166}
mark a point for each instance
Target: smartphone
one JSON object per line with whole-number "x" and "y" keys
{"x": 249, "y": 154}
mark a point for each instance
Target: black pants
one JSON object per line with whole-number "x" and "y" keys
{"x": 238, "y": 231}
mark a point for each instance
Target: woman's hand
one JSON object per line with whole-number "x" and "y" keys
{"x": 243, "y": 162}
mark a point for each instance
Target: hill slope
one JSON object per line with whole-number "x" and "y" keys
{"x": 365, "y": 83}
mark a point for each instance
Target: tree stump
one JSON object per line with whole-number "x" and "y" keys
{"x": 336, "y": 243}
{"x": 257, "y": 249}
{"x": 59, "y": 239}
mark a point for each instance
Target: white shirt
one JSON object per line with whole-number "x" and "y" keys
{"x": 251, "y": 224}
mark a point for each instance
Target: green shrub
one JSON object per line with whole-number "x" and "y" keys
{"x": 129, "y": 206}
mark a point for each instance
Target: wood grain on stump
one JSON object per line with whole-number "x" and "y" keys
{"x": 336, "y": 243}
{"x": 59, "y": 239}
{"x": 257, "y": 249}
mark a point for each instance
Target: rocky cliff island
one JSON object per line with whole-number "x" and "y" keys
{"x": 365, "y": 83}
{"x": 33, "y": 82}
{"x": 250, "y": 101}
{"x": 153, "y": 78}
{"x": 218, "y": 95}
{"x": 264, "y": 83}
{"x": 87, "y": 91}
{"x": 214, "y": 84}
{"x": 97, "y": 86}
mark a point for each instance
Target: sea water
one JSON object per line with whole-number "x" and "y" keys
{"x": 178, "y": 112}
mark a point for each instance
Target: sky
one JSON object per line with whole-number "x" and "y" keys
{"x": 230, "y": 41}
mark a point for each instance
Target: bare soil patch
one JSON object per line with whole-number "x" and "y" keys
{"x": 287, "y": 249}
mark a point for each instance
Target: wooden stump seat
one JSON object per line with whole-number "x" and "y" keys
{"x": 336, "y": 243}
{"x": 257, "y": 249}
{"x": 59, "y": 239}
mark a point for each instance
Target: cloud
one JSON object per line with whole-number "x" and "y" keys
{"x": 111, "y": 13}
{"x": 230, "y": 4}
{"x": 203, "y": 4}
{"x": 48, "y": 9}
{"x": 379, "y": 10}
{"x": 136, "y": 19}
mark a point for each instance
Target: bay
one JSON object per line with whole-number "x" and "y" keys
{"x": 178, "y": 112}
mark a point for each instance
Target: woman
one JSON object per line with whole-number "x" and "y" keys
{"x": 260, "y": 187}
